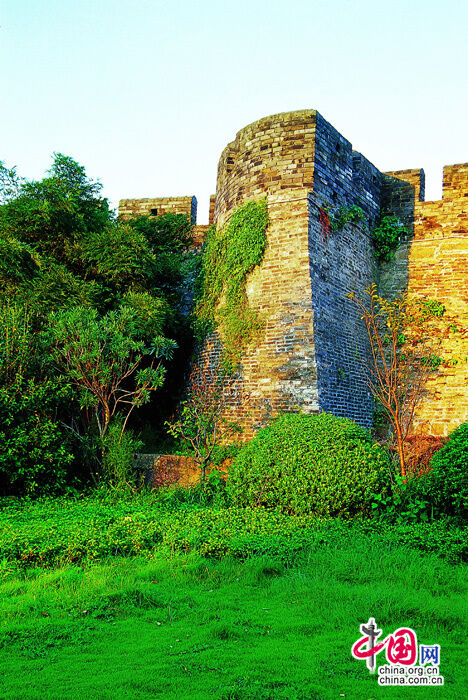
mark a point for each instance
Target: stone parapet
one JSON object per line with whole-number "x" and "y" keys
{"x": 159, "y": 206}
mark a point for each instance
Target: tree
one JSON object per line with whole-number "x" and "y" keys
{"x": 53, "y": 214}
{"x": 201, "y": 423}
{"x": 102, "y": 298}
{"x": 104, "y": 359}
{"x": 10, "y": 183}
{"x": 169, "y": 237}
{"x": 120, "y": 256}
{"x": 405, "y": 336}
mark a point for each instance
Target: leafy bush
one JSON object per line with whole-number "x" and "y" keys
{"x": 120, "y": 255}
{"x": 17, "y": 262}
{"x": 165, "y": 233}
{"x": 310, "y": 464}
{"x": 35, "y": 453}
{"x": 447, "y": 484}
{"x": 404, "y": 503}
{"x": 345, "y": 215}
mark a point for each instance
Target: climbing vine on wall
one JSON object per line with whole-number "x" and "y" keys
{"x": 345, "y": 215}
{"x": 386, "y": 237}
{"x": 331, "y": 223}
{"x": 229, "y": 254}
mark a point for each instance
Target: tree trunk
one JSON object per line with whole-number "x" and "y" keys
{"x": 401, "y": 451}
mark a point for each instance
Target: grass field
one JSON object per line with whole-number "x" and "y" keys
{"x": 188, "y": 626}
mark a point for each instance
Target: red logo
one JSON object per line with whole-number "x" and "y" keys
{"x": 401, "y": 647}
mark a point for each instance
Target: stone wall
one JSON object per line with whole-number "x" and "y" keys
{"x": 171, "y": 470}
{"x": 212, "y": 210}
{"x": 432, "y": 264}
{"x": 306, "y": 358}
{"x": 271, "y": 155}
{"x": 340, "y": 262}
{"x": 438, "y": 269}
{"x": 343, "y": 177}
{"x": 159, "y": 206}
{"x": 278, "y": 371}
{"x": 199, "y": 234}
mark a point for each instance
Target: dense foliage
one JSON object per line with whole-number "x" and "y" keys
{"x": 90, "y": 308}
{"x": 56, "y": 532}
{"x": 229, "y": 254}
{"x": 447, "y": 483}
{"x": 35, "y": 448}
{"x": 386, "y": 237}
{"x": 316, "y": 464}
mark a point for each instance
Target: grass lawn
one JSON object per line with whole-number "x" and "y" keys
{"x": 187, "y": 626}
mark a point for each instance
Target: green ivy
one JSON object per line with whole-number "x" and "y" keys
{"x": 386, "y": 237}
{"x": 431, "y": 307}
{"x": 229, "y": 254}
{"x": 345, "y": 215}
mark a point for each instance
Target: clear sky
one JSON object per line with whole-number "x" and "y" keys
{"x": 145, "y": 94}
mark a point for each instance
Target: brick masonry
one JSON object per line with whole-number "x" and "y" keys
{"x": 307, "y": 356}
{"x": 434, "y": 264}
{"x": 159, "y": 206}
{"x": 166, "y": 470}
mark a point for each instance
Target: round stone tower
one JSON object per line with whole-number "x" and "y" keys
{"x": 273, "y": 154}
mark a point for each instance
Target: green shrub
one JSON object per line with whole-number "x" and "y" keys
{"x": 35, "y": 456}
{"x": 403, "y": 503}
{"x": 119, "y": 462}
{"x": 35, "y": 451}
{"x": 310, "y": 464}
{"x": 447, "y": 483}
{"x": 54, "y": 532}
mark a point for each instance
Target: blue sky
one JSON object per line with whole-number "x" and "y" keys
{"x": 146, "y": 94}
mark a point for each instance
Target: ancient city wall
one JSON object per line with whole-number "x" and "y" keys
{"x": 438, "y": 269}
{"x": 278, "y": 371}
{"x": 273, "y": 158}
{"x": 340, "y": 262}
{"x": 308, "y": 354}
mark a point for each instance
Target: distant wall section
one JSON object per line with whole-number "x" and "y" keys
{"x": 159, "y": 206}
